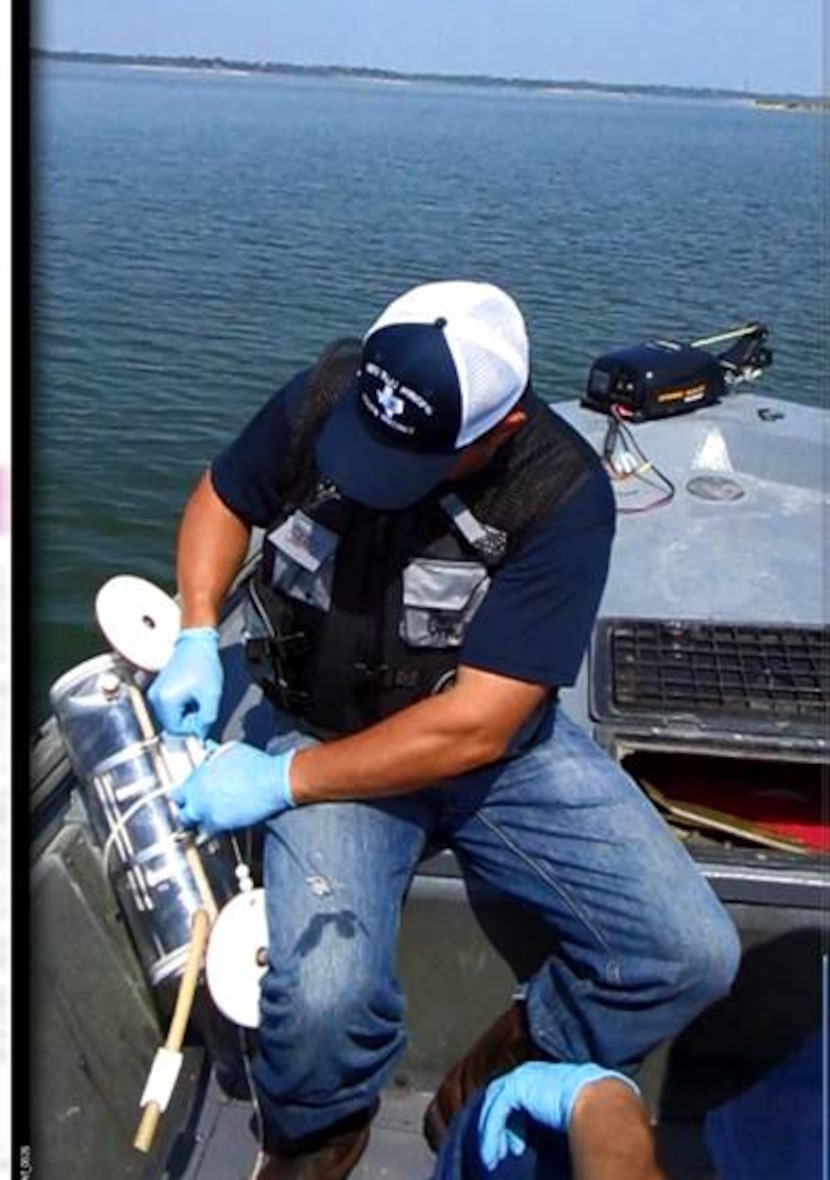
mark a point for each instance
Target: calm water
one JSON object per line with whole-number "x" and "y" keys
{"x": 198, "y": 237}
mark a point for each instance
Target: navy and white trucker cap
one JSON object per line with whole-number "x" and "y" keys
{"x": 440, "y": 366}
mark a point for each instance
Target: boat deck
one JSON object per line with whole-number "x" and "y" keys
{"x": 743, "y": 537}
{"x": 740, "y": 541}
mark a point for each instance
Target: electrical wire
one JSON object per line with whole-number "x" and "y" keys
{"x": 618, "y": 431}
{"x": 128, "y": 815}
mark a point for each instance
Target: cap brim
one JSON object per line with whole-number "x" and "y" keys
{"x": 367, "y": 469}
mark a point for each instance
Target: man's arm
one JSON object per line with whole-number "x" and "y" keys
{"x": 609, "y": 1135}
{"x": 212, "y": 543}
{"x": 469, "y": 725}
{"x": 211, "y": 547}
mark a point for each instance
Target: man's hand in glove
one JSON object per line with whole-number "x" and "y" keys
{"x": 544, "y": 1091}
{"x": 235, "y": 787}
{"x": 186, "y": 693}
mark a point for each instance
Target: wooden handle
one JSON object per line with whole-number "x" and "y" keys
{"x": 146, "y": 1132}
{"x": 190, "y": 979}
{"x": 181, "y": 1014}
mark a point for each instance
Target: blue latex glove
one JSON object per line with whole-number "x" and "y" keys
{"x": 543, "y": 1090}
{"x": 236, "y": 786}
{"x": 186, "y": 693}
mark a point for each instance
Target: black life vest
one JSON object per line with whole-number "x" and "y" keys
{"x": 353, "y": 613}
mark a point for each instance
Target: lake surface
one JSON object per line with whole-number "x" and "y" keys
{"x": 199, "y": 236}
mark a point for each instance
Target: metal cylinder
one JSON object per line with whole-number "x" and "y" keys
{"x": 161, "y": 874}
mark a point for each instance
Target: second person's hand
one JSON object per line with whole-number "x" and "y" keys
{"x": 543, "y": 1090}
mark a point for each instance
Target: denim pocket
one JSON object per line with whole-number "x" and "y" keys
{"x": 439, "y": 599}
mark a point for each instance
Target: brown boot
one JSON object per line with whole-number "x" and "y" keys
{"x": 330, "y": 1155}
{"x": 505, "y": 1045}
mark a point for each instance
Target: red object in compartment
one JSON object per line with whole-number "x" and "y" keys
{"x": 789, "y": 799}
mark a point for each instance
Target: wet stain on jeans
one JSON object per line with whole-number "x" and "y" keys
{"x": 344, "y": 923}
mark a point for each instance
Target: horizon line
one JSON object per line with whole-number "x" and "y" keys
{"x": 180, "y": 60}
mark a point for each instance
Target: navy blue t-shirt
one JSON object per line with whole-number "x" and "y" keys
{"x": 535, "y": 621}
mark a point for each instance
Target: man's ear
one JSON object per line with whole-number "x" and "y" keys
{"x": 476, "y": 454}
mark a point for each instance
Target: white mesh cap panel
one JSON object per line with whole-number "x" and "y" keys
{"x": 491, "y": 356}
{"x": 486, "y": 335}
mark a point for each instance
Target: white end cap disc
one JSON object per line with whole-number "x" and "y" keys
{"x": 139, "y": 620}
{"x": 236, "y": 957}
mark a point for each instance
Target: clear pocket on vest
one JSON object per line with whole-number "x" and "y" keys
{"x": 439, "y": 599}
{"x": 302, "y": 560}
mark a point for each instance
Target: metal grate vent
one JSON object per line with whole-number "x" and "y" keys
{"x": 763, "y": 676}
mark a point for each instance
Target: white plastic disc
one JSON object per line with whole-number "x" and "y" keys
{"x": 236, "y": 957}
{"x": 139, "y": 620}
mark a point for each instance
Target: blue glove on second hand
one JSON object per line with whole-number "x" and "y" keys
{"x": 544, "y": 1090}
{"x": 186, "y": 693}
{"x": 235, "y": 787}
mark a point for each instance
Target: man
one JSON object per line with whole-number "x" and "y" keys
{"x": 437, "y": 546}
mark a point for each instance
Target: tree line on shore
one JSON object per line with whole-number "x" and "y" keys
{"x": 193, "y": 62}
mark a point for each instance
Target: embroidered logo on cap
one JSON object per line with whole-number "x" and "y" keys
{"x": 390, "y": 402}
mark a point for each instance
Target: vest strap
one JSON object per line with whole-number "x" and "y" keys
{"x": 488, "y": 542}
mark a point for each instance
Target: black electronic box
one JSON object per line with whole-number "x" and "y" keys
{"x": 663, "y": 377}
{"x": 654, "y": 380}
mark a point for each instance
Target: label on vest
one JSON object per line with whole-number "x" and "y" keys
{"x": 301, "y": 559}
{"x": 305, "y": 540}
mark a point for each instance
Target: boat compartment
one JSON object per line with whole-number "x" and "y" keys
{"x": 759, "y": 803}
{"x": 725, "y": 728}
{"x": 725, "y": 683}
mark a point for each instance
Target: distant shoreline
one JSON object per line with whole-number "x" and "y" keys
{"x": 220, "y": 65}
{"x": 821, "y": 105}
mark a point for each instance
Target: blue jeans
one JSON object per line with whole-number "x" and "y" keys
{"x": 643, "y": 944}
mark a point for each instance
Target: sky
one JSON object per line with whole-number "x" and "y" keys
{"x": 775, "y": 46}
